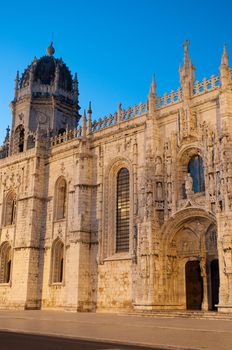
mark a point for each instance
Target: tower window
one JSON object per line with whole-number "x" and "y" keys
{"x": 57, "y": 261}
{"x": 19, "y": 139}
{"x": 5, "y": 262}
{"x": 10, "y": 209}
{"x": 196, "y": 170}
{"x": 60, "y": 199}
{"x": 123, "y": 211}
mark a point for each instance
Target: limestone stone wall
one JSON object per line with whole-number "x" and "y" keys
{"x": 114, "y": 285}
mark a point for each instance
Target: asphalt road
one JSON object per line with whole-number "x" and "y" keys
{"x": 19, "y": 341}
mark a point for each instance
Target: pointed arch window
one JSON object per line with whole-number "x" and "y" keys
{"x": 5, "y": 262}
{"x": 123, "y": 211}
{"x": 19, "y": 139}
{"x": 196, "y": 170}
{"x": 10, "y": 209}
{"x": 60, "y": 199}
{"x": 57, "y": 261}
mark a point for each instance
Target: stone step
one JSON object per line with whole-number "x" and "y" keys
{"x": 207, "y": 315}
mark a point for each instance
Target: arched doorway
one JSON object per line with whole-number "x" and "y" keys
{"x": 194, "y": 285}
{"x": 191, "y": 245}
{"x": 214, "y": 270}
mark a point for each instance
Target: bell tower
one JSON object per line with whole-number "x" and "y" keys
{"x": 45, "y": 97}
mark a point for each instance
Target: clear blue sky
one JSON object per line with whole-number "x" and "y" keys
{"x": 113, "y": 45}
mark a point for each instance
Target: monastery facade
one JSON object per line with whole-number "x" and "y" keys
{"x": 129, "y": 212}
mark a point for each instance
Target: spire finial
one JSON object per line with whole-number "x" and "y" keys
{"x": 225, "y": 58}
{"x": 84, "y": 124}
{"x": 7, "y": 134}
{"x": 50, "y": 49}
{"x": 16, "y": 85}
{"x": 186, "y": 45}
{"x": 89, "y": 123}
{"x": 90, "y": 109}
{"x": 153, "y": 85}
{"x": 186, "y": 52}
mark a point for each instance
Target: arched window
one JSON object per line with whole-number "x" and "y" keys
{"x": 57, "y": 261}
{"x": 19, "y": 139}
{"x": 196, "y": 170}
{"x": 5, "y": 262}
{"x": 10, "y": 209}
{"x": 60, "y": 199}
{"x": 123, "y": 211}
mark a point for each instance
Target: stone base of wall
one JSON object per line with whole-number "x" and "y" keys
{"x": 20, "y": 307}
{"x": 141, "y": 307}
{"x": 225, "y": 308}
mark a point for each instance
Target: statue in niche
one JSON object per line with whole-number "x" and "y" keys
{"x": 159, "y": 191}
{"x": 169, "y": 167}
{"x": 158, "y": 166}
{"x": 203, "y": 267}
{"x": 188, "y": 185}
{"x": 227, "y": 259}
{"x": 211, "y": 185}
{"x": 222, "y": 186}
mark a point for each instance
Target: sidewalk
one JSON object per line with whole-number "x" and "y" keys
{"x": 169, "y": 333}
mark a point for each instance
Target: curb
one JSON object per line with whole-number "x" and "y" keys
{"x": 102, "y": 340}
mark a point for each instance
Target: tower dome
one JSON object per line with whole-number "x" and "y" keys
{"x": 46, "y": 70}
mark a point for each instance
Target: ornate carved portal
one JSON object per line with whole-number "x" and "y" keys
{"x": 192, "y": 279}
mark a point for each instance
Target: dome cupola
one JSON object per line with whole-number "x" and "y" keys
{"x": 48, "y": 75}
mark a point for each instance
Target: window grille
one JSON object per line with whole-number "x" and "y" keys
{"x": 196, "y": 170}
{"x": 5, "y": 263}
{"x": 123, "y": 211}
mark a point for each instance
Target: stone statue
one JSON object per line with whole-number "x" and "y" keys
{"x": 169, "y": 168}
{"x": 158, "y": 166}
{"x": 188, "y": 185}
{"x": 211, "y": 185}
{"x": 159, "y": 191}
{"x": 203, "y": 267}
